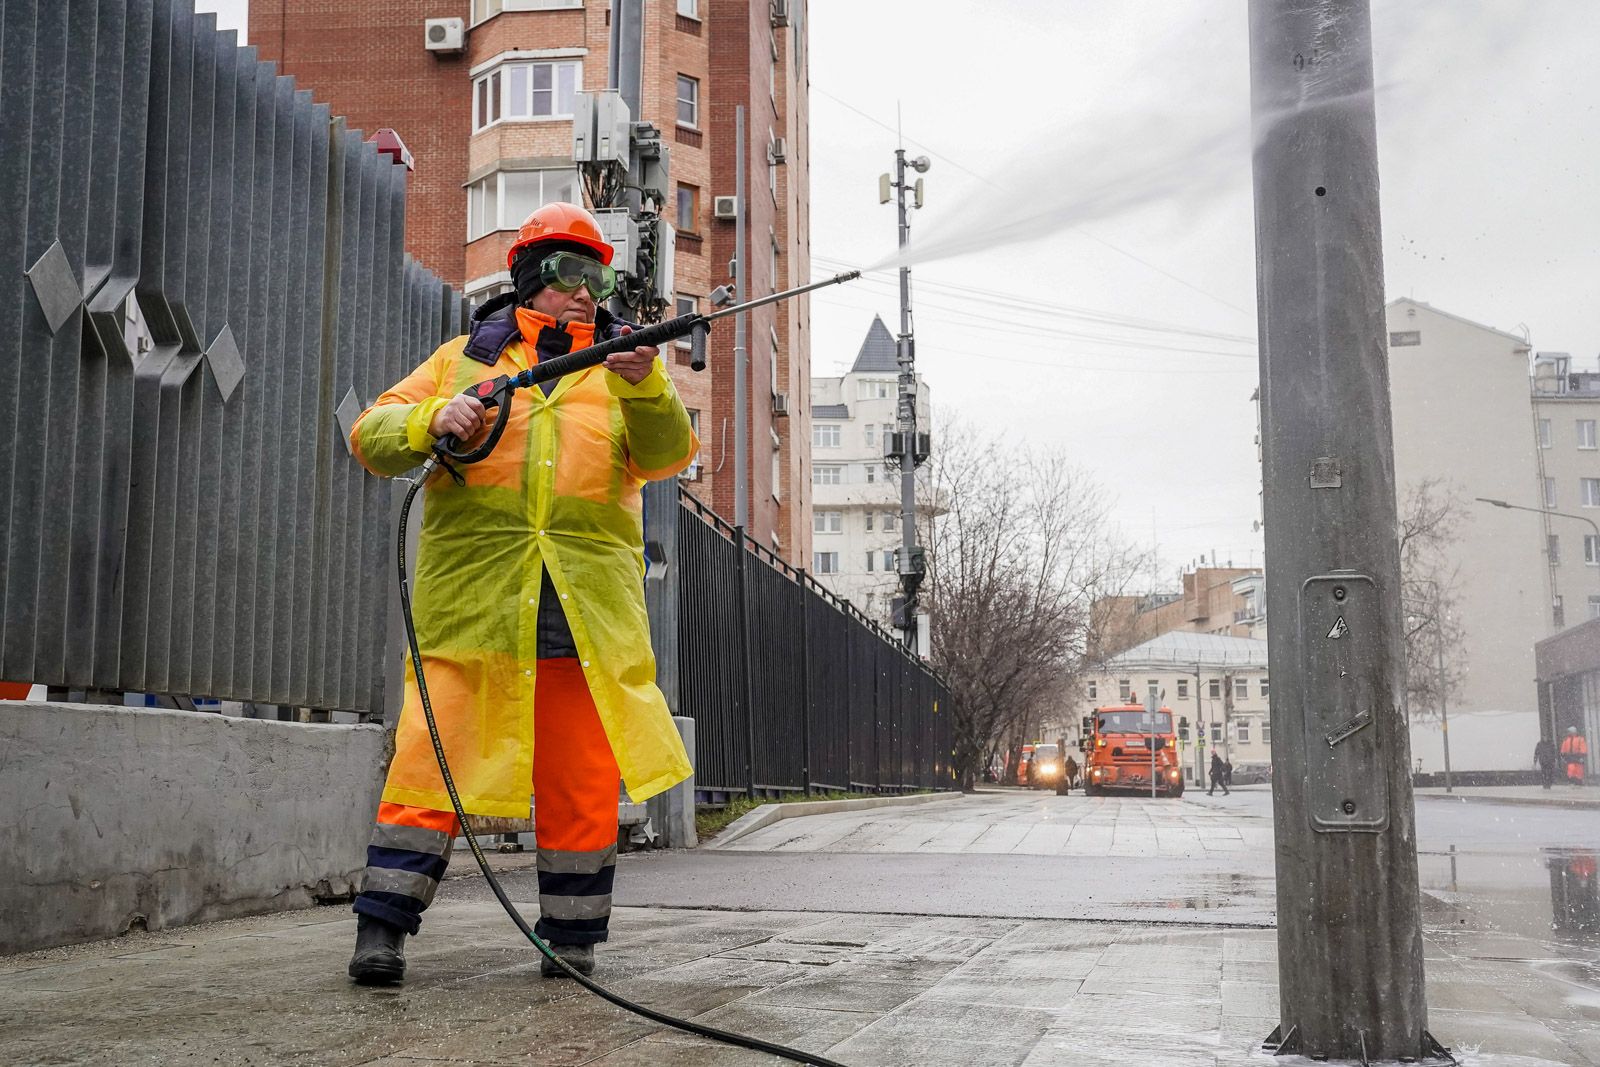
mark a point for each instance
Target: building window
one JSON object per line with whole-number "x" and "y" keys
{"x": 688, "y": 101}
{"x": 1266, "y": 688}
{"x": 869, "y": 517}
{"x": 685, "y": 305}
{"x": 505, "y": 198}
{"x": 1552, "y": 548}
{"x": 825, "y": 435}
{"x": 826, "y": 473}
{"x": 1124, "y": 690}
{"x": 827, "y": 521}
{"x": 825, "y": 562}
{"x": 1591, "y": 550}
{"x": 689, "y": 9}
{"x": 525, "y": 91}
{"x": 1266, "y": 731}
{"x": 888, "y": 561}
{"x": 483, "y": 9}
{"x": 1241, "y": 689}
{"x": 1183, "y": 688}
{"x": 688, "y": 208}
{"x": 777, "y": 466}
{"x": 1216, "y": 733}
{"x": 1558, "y": 613}
{"x": 1214, "y": 689}
{"x": 1544, "y": 433}
{"x": 1549, "y": 492}
{"x": 1242, "y": 731}
{"x": 479, "y": 297}
{"x": 891, "y": 522}
{"x": 871, "y": 435}
{"x": 1586, "y": 433}
{"x": 873, "y": 389}
{"x": 1591, "y": 492}
{"x": 1094, "y": 691}
{"x": 870, "y": 557}
{"x": 1594, "y": 607}
{"x": 872, "y": 473}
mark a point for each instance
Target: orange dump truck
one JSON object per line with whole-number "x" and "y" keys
{"x": 1125, "y": 746}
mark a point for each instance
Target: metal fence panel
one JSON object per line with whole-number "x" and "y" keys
{"x": 169, "y": 517}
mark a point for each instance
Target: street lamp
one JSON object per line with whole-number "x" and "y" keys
{"x": 1546, "y": 511}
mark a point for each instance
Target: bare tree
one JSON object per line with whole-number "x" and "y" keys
{"x": 1431, "y": 514}
{"x": 1018, "y": 548}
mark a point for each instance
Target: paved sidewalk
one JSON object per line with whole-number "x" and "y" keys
{"x": 1559, "y": 795}
{"x": 866, "y": 989}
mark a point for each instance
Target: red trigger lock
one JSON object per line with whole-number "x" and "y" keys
{"x": 485, "y": 388}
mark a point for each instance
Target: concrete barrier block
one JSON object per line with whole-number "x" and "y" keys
{"x": 122, "y": 818}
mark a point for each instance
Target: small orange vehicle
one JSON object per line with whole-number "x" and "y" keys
{"x": 1125, "y": 745}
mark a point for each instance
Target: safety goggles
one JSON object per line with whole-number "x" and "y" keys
{"x": 566, "y": 271}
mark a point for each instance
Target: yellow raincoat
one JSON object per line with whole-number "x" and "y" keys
{"x": 560, "y": 491}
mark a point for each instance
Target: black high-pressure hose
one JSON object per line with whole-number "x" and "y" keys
{"x": 498, "y": 392}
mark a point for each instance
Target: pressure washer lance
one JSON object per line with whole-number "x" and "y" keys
{"x": 497, "y": 392}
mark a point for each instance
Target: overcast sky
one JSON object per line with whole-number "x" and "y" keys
{"x": 1032, "y": 111}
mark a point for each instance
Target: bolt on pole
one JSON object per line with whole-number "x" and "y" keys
{"x": 1350, "y": 966}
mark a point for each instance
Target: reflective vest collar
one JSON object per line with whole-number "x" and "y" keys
{"x": 494, "y": 325}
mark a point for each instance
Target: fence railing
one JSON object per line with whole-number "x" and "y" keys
{"x": 790, "y": 687}
{"x": 206, "y": 273}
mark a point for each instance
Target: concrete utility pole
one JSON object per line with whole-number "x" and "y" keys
{"x": 1349, "y": 924}
{"x": 904, "y": 448}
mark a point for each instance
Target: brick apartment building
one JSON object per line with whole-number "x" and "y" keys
{"x": 490, "y": 131}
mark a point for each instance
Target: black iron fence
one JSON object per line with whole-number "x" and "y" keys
{"x": 791, "y": 688}
{"x": 202, "y": 277}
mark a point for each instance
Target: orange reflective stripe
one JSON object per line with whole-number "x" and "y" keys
{"x": 425, "y": 818}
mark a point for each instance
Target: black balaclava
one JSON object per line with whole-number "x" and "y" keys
{"x": 525, "y": 268}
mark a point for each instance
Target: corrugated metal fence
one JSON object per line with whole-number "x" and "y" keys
{"x": 790, "y": 687}
{"x": 178, "y": 509}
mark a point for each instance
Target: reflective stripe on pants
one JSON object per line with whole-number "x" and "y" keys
{"x": 575, "y": 787}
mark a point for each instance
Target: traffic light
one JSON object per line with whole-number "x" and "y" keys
{"x": 1183, "y": 728}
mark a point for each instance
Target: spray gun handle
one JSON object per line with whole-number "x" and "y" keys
{"x": 494, "y": 393}
{"x": 697, "y": 344}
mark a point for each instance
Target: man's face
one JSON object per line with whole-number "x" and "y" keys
{"x": 576, "y": 306}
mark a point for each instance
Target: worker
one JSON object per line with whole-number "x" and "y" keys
{"x": 529, "y": 599}
{"x": 1575, "y": 753}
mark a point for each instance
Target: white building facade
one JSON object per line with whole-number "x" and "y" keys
{"x": 855, "y": 495}
{"x": 1476, "y": 410}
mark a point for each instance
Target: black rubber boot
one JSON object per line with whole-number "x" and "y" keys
{"x": 579, "y": 957}
{"x": 379, "y": 958}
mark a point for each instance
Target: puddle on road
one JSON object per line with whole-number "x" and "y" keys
{"x": 1217, "y": 893}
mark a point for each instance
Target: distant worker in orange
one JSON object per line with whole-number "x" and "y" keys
{"x": 1575, "y": 753}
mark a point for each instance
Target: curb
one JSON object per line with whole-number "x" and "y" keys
{"x": 767, "y": 814}
{"x": 1573, "y": 803}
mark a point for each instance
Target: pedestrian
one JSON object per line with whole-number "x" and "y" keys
{"x": 1227, "y": 772}
{"x": 1544, "y": 757}
{"x": 1219, "y": 775}
{"x": 1575, "y": 753}
{"x": 1069, "y": 775}
{"x": 529, "y": 599}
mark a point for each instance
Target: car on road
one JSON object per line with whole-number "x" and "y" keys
{"x": 1047, "y": 766}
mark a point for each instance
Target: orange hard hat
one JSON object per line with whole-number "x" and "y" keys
{"x": 561, "y": 222}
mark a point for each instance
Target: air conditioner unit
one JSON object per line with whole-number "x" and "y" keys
{"x": 778, "y": 150}
{"x": 725, "y": 207}
{"x": 780, "y": 404}
{"x": 780, "y": 12}
{"x": 445, "y": 35}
